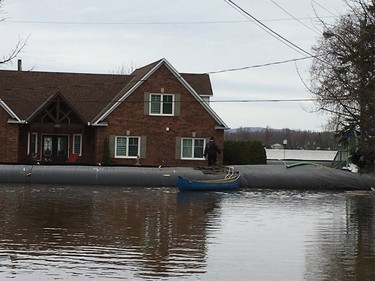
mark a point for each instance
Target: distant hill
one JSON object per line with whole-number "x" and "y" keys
{"x": 248, "y": 129}
{"x": 252, "y": 129}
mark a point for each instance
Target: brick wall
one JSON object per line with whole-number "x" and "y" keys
{"x": 8, "y": 139}
{"x": 161, "y": 131}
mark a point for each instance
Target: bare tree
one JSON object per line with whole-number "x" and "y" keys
{"x": 15, "y": 51}
{"x": 342, "y": 74}
{"x": 123, "y": 70}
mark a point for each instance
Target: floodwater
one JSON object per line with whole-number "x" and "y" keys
{"x": 114, "y": 233}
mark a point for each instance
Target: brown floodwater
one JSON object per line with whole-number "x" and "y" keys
{"x": 114, "y": 233}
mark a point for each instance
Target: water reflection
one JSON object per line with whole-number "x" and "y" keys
{"x": 81, "y": 230}
{"x": 102, "y": 233}
{"x": 344, "y": 248}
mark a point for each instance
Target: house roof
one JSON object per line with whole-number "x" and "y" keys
{"x": 200, "y": 82}
{"x": 94, "y": 96}
{"x": 24, "y": 92}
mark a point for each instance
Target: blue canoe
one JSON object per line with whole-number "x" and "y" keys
{"x": 228, "y": 183}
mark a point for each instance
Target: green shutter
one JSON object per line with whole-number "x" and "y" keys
{"x": 112, "y": 146}
{"x": 143, "y": 147}
{"x": 146, "y": 103}
{"x": 177, "y": 104}
{"x": 178, "y": 148}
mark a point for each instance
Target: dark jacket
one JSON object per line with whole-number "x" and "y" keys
{"x": 211, "y": 149}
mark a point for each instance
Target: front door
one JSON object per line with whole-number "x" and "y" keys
{"x": 55, "y": 149}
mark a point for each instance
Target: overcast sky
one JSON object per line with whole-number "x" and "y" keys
{"x": 196, "y": 36}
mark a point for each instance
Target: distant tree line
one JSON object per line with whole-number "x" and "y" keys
{"x": 295, "y": 139}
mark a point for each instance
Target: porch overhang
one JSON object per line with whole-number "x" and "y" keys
{"x": 99, "y": 124}
{"x": 221, "y": 128}
{"x": 16, "y": 121}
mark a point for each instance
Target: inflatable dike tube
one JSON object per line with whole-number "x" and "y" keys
{"x": 314, "y": 177}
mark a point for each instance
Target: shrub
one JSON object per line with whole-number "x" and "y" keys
{"x": 244, "y": 153}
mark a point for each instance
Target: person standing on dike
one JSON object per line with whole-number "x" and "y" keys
{"x": 210, "y": 152}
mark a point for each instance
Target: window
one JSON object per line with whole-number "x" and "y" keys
{"x": 77, "y": 144}
{"x": 33, "y": 143}
{"x": 47, "y": 146}
{"x": 62, "y": 145}
{"x": 192, "y": 148}
{"x": 127, "y": 147}
{"x": 161, "y": 104}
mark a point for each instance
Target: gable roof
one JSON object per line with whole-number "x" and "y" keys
{"x": 94, "y": 96}
{"x": 140, "y": 75}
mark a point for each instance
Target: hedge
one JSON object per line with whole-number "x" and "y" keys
{"x": 244, "y": 153}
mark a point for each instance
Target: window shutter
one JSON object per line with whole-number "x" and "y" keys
{"x": 178, "y": 147}
{"x": 146, "y": 104}
{"x": 112, "y": 146}
{"x": 143, "y": 147}
{"x": 177, "y": 104}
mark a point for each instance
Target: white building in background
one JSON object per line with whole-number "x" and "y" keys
{"x": 277, "y": 146}
{"x": 299, "y": 154}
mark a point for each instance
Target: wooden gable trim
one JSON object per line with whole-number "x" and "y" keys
{"x": 52, "y": 99}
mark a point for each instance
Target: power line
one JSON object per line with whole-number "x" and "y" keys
{"x": 264, "y": 100}
{"x": 211, "y": 101}
{"x": 153, "y": 23}
{"x": 323, "y": 8}
{"x": 272, "y": 100}
{"x": 294, "y": 18}
{"x": 258, "y": 65}
{"x": 268, "y": 29}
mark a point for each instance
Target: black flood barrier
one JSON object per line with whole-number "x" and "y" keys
{"x": 315, "y": 177}
{"x": 84, "y": 175}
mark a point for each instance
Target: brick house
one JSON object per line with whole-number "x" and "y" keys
{"x": 155, "y": 116}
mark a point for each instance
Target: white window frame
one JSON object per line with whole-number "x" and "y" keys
{"x": 74, "y": 144}
{"x": 192, "y": 148}
{"x": 127, "y": 147}
{"x": 161, "y": 105}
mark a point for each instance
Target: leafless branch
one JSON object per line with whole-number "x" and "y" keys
{"x": 20, "y": 45}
